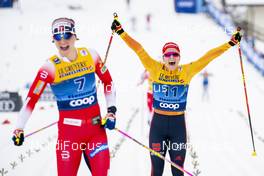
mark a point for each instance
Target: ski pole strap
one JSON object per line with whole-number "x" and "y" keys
{"x": 154, "y": 152}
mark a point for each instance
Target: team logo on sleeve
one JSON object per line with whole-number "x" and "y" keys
{"x": 103, "y": 69}
{"x": 38, "y": 87}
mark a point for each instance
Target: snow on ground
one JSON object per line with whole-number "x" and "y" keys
{"x": 218, "y": 128}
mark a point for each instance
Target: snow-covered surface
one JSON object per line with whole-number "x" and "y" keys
{"x": 218, "y": 128}
{"x": 260, "y": 46}
{"x": 245, "y": 2}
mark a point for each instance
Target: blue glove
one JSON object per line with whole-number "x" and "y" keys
{"x": 110, "y": 120}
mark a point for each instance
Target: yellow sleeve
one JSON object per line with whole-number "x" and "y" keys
{"x": 148, "y": 62}
{"x": 203, "y": 61}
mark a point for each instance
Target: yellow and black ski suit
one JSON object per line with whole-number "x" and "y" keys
{"x": 170, "y": 89}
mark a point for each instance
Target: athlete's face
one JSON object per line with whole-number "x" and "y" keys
{"x": 171, "y": 58}
{"x": 65, "y": 43}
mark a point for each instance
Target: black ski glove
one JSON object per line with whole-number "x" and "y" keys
{"x": 116, "y": 26}
{"x": 18, "y": 137}
{"x": 235, "y": 39}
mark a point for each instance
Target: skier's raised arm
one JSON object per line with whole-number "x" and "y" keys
{"x": 170, "y": 81}
{"x": 203, "y": 61}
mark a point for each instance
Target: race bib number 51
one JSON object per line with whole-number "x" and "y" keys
{"x": 170, "y": 97}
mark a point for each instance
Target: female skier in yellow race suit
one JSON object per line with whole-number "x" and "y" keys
{"x": 170, "y": 88}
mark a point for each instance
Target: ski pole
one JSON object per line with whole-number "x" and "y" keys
{"x": 108, "y": 48}
{"x": 34, "y": 132}
{"x": 246, "y": 96}
{"x": 154, "y": 152}
{"x": 110, "y": 41}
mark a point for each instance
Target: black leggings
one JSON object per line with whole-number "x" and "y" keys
{"x": 167, "y": 133}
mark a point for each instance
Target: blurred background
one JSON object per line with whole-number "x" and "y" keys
{"x": 217, "y": 120}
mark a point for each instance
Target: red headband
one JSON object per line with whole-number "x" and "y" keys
{"x": 170, "y": 45}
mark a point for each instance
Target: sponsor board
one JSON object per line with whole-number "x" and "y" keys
{"x": 10, "y": 101}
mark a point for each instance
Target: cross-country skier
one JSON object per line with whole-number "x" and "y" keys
{"x": 170, "y": 88}
{"x": 145, "y": 76}
{"x": 205, "y": 74}
{"x": 148, "y": 21}
{"x": 71, "y": 75}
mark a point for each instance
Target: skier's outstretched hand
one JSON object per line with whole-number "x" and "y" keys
{"x": 18, "y": 137}
{"x": 236, "y": 38}
{"x": 117, "y": 27}
{"x": 110, "y": 120}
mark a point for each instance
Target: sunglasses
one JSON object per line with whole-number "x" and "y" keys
{"x": 65, "y": 36}
{"x": 171, "y": 54}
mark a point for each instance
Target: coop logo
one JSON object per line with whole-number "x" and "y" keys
{"x": 84, "y": 101}
{"x": 169, "y": 106}
{"x": 7, "y": 105}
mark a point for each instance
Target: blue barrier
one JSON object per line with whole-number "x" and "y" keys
{"x": 6, "y": 3}
{"x": 225, "y": 21}
{"x": 189, "y": 6}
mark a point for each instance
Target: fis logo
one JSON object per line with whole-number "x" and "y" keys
{"x": 56, "y": 60}
{"x": 169, "y": 106}
{"x": 83, "y": 52}
{"x": 84, "y": 101}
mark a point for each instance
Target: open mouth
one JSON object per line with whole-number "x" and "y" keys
{"x": 172, "y": 63}
{"x": 64, "y": 48}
